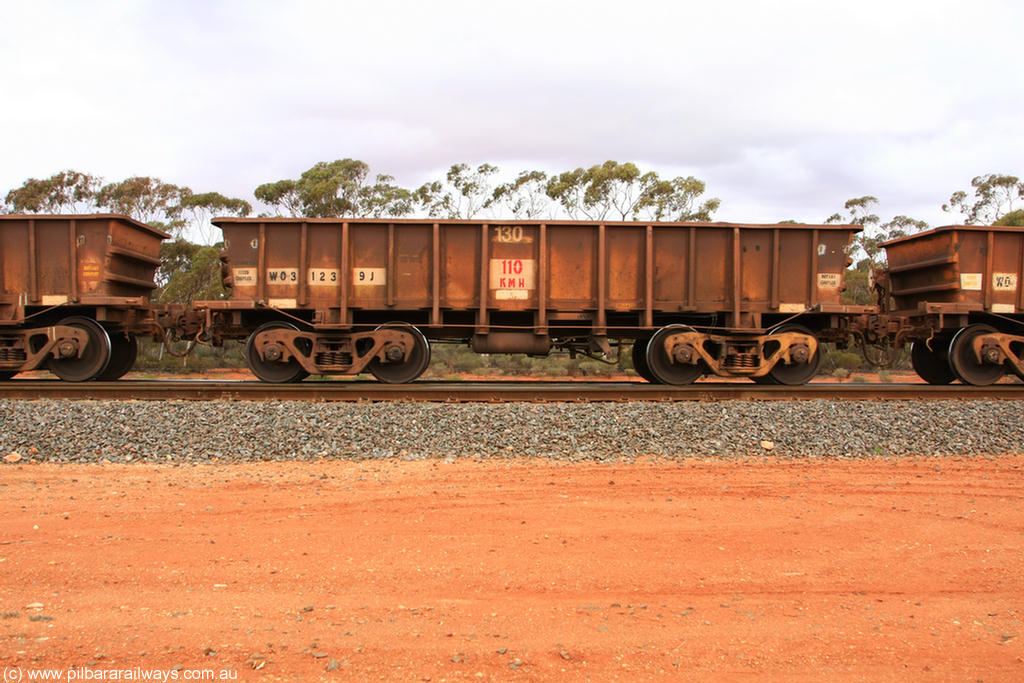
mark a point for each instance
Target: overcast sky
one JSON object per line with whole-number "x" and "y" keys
{"x": 785, "y": 108}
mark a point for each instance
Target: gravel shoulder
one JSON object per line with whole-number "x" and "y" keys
{"x": 514, "y": 568}
{"x": 234, "y": 431}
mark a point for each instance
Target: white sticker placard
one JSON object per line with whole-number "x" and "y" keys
{"x": 323, "y": 277}
{"x": 244, "y": 276}
{"x": 511, "y": 295}
{"x": 513, "y": 274}
{"x": 828, "y": 280}
{"x": 1004, "y": 282}
{"x": 369, "y": 277}
{"x": 970, "y": 281}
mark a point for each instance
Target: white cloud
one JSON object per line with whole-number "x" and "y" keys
{"x": 785, "y": 108}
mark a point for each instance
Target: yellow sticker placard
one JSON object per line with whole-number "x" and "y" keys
{"x": 970, "y": 281}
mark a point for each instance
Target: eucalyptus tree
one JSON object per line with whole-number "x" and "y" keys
{"x": 64, "y": 192}
{"x": 282, "y": 195}
{"x": 146, "y": 199}
{"x": 463, "y": 193}
{"x": 994, "y": 196}
{"x": 678, "y": 199}
{"x": 523, "y": 197}
{"x": 621, "y": 190}
{"x": 197, "y": 210}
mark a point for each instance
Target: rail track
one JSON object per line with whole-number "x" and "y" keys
{"x": 491, "y": 392}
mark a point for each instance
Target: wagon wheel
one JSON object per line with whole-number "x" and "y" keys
{"x": 932, "y": 365}
{"x": 963, "y": 362}
{"x": 124, "y": 348}
{"x": 95, "y": 356}
{"x": 415, "y": 362}
{"x": 794, "y": 374}
{"x": 640, "y": 361}
{"x": 274, "y": 371}
{"x": 661, "y": 366}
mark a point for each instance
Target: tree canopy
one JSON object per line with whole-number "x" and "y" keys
{"x": 994, "y": 197}
{"x": 176, "y": 209}
{"x": 345, "y": 188}
{"x": 63, "y": 192}
{"x": 621, "y": 191}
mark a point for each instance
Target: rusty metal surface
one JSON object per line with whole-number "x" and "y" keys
{"x": 958, "y": 269}
{"x": 469, "y": 277}
{"x": 93, "y": 260}
{"x": 504, "y": 391}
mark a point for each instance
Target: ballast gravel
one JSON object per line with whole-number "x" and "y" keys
{"x": 187, "y": 432}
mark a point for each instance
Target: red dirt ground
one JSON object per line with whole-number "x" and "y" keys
{"x": 517, "y": 570}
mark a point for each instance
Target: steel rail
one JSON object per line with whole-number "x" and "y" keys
{"x": 490, "y": 392}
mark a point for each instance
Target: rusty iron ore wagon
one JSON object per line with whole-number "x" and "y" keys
{"x": 74, "y": 292}
{"x": 957, "y": 291}
{"x": 345, "y": 296}
{"x": 336, "y": 296}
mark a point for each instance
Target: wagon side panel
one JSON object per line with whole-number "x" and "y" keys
{"x": 672, "y": 262}
{"x": 460, "y": 266}
{"x": 626, "y": 267}
{"x": 324, "y": 265}
{"x": 132, "y": 256}
{"x": 572, "y": 264}
{"x": 242, "y": 251}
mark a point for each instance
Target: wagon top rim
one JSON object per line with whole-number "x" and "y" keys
{"x": 949, "y": 228}
{"x": 84, "y": 217}
{"x": 298, "y": 220}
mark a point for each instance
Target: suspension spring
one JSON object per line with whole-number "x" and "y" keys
{"x": 741, "y": 360}
{"x": 334, "y": 358}
{"x": 11, "y": 355}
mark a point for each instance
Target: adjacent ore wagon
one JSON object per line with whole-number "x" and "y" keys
{"x": 958, "y": 291}
{"x": 335, "y": 296}
{"x": 74, "y": 292}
